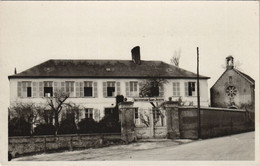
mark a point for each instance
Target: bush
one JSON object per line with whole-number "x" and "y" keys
{"x": 109, "y": 124}
{"x": 19, "y": 127}
{"x": 44, "y": 129}
{"x": 88, "y": 125}
{"x": 67, "y": 126}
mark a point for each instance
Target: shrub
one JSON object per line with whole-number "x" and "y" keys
{"x": 88, "y": 125}
{"x": 19, "y": 127}
{"x": 109, "y": 124}
{"x": 44, "y": 129}
{"x": 67, "y": 126}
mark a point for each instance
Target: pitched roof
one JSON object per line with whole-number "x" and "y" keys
{"x": 247, "y": 77}
{"x": 104, "y": 69}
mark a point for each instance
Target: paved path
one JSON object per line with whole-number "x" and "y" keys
{"x": 235, "y": 147}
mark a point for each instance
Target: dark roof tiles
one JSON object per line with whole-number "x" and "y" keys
{"x": 104, "y": 69}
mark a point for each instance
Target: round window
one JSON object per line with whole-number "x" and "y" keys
{"x": 231, "y": 91}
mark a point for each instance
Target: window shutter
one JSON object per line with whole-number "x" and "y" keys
{"x": 95, "y": 90}
{"x": 178, "y": 89}
{"x": 140, "y": 88}
{"x": 34, "y": 94}
{"x": 127, "y": 87}
{"x": 118, "y": 88}
{"x": 24, "y": 90}
{"x": 174, "y": 88}
{"x": 186, "y": 89}
{"x": 77, "y": 89}
{"x": 81, "y": 89}
{"x": 19, "y": 89}
{"x": 104, "y": 89}
{"x": 195, "y": 91}
{"x": 62, "y": 88}
{"x": 55, "y": 88}
{"x": 161, "y": 90}
{"x": 41, "y": 89}
{"x": 96, "y": 114}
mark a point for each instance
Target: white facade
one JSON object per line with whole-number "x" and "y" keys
{"x": 99, "y": 102}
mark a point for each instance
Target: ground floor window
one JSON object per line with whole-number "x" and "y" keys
{"x": 136, "y": 113}
{"x": 109, "y": 111}
{"x": 89, "y": 113}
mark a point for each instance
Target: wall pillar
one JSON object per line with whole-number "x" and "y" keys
{"x": 126, "y": 113}
{"x": 172, "y": 120}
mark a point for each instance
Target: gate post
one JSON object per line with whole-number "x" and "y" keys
{"x": 126, "y": 114}
{"x": 172, "y": 117}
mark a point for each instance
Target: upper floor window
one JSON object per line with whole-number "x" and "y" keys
{"x": 69, "y": 87}
{"x": 89, "y": 113}
{"x": 48, "y": 88}
{"x": 176, "y": 88}
{"x": 133, "y": 88}
{"x": 25, "y": 89}
{"x": 190, "y": 88}
{"x": 154, "y": 91}
{"x": 111, "y": 89}
{"x": 88, "y": 88}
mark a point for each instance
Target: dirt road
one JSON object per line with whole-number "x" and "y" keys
{"x": 235, "y": 147}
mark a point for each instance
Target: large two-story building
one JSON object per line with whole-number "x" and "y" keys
{"x": 93, "y": 84}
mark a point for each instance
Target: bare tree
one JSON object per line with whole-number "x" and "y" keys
{"x": 30, "y": 112}
{"x": 150, "y": 87}
{"x": 175, "y": 59}
{"x": 56, "y": 103}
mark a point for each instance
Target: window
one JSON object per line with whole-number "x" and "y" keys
{"x": 48, "y": 89}
{"x": 88, "y": 89}
{"x": 191, "y": 89}
{"x": 231, "y": 91}
{"x": 136, "y": 113}
{"x": 69, "y": 87}
{"x": 154, "y": 91}
{"x": 133, "y": 89}
{"x": 48, "y": 116}
{"x": 230, "y": 79}
{"x": 26, "y": 89}
{"x": 109, "y": 111}
{"x": 156, "y": 113}
{"x": 176, "y": 88}
{"x": 110, "y": 89}
{"x": 89, "y": 113}
{"x": 29, "y": 91}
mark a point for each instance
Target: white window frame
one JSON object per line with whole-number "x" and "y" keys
{"x": 133, "y": 88}
{"x": 111, "y": 84}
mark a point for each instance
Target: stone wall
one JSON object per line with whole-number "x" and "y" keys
{"x": 19, "y": 146}
{"x": 188, "y": 121}
{"x": 214, "y": 122}
{"x": 217, "y": 122}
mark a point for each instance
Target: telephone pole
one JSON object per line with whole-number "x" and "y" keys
{"x": 198, "y": 92}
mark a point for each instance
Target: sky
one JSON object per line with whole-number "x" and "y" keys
{"x": 33, "y": 32}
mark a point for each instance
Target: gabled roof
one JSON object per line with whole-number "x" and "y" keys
{"x": 104, "y": 69}
{"x": 245, "y": 76}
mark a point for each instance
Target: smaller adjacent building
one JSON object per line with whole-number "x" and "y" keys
{"x": 234, "y": 89}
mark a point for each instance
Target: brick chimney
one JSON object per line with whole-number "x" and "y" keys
{"x": 230, "y": 62}
{"x": 136, "y": 55}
